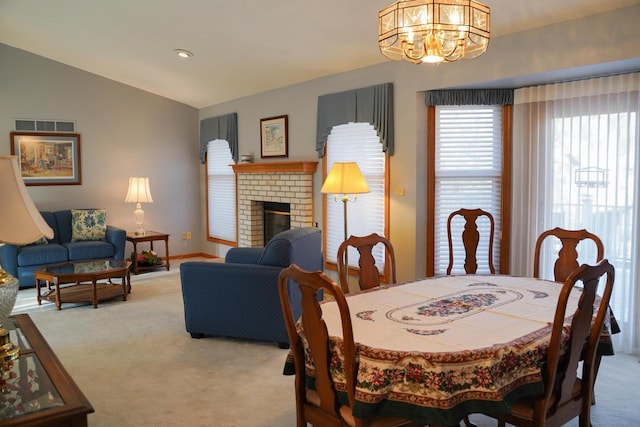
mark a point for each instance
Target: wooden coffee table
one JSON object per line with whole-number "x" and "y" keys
{"x": 38, "y": 389}
{"x": 78, "y": 281}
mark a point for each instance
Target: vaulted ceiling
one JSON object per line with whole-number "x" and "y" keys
{"x": 240, "y": 47}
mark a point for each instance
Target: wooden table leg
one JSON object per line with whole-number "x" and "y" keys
{"x": 135, "y": 257}
{"x": 94, "y": 286}
{"x": 124, "y": 287}
{"x": 38, "y": 291}
{"x": 57, "y": 288}
{"x": 166, "y": 248}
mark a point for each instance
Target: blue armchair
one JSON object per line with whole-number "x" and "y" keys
{"x": 239, "y": 298}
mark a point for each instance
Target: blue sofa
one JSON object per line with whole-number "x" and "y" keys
{"x": 239, "y": 298}
{"x": 22, "y": 261}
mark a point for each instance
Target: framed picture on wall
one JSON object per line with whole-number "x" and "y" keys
{"x": 48, "y": 158}
{"x": 273, "y": 137}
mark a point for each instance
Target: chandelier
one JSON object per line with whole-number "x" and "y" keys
{"x": 433, "y": 30}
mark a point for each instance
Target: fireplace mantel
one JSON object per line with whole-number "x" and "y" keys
{"x": 271, "y": 167}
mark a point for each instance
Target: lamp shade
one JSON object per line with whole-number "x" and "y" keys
{"x": 139, "y": 191}
{"x": 345, "y": 178}
{"x": 20, "y": 221}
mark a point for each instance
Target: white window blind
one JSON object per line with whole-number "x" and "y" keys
{"x": 221, "y": 209}
{"x": 348, "y": 143}
{"x": 468, "y": 175}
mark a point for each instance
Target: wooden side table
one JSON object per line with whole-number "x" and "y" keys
{"x": 149, "y": 236}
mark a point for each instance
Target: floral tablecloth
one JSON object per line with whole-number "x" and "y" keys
{"x": 437, "y": 349}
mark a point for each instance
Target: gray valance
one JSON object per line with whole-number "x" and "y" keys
{"x": 373, "y": 104}
{"x": 221, "y": 127}
{"x": 470, "y": 97}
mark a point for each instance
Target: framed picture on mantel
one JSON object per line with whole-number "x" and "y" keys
{"x": 48, "y": 158}
{"x": 274, "y": 137}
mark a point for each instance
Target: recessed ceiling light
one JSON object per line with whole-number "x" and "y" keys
{"x": 183, "y": 53}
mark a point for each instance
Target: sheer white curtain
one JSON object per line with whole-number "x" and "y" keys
{"x": 576, "y": 152}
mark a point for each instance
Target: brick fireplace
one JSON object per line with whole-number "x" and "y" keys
{"x": 281, "y": 182}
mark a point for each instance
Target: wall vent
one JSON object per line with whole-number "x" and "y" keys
{"x": 34, "y": 125}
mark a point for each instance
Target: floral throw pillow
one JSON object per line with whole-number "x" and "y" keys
{"x": 88, "y": 224}
{"x": 41, "y": 241}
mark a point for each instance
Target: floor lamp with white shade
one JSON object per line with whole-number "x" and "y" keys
{"x": 345, "y": 178}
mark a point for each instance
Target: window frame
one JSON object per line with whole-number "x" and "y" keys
{"x": 504, "y": 234}
{"x": 206, "y": 183}
{"x": 353, "y": 269}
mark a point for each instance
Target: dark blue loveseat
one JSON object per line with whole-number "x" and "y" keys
{"x": 22, "y": 261}
{"x": 239, "y": 298}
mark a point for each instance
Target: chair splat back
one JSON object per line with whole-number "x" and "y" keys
{"x": 368, "y": 274}
{"x": 470, "y": 239}
{"x": 567, "y": 260}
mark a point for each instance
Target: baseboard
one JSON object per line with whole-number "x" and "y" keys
{"x": 193, "y": 255}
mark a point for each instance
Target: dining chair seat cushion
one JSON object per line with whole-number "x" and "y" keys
{"x": 523, "y": 408}
{"x": 375, "y": 420}
{"x": 313, "y": 397}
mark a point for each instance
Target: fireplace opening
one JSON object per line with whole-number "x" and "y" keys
{"x": 277, "y": 218}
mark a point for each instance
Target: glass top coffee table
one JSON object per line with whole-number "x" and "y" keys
{"x": 36, "y": 390}
{"x": 83, "y": 281}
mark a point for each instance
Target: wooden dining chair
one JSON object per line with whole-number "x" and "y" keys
{"x": 320, "y": 406}
{"x": 566, "y": 395}
{"x": 368, "y": 274}
{"x": 567, "y": 262}
{"x": 470, "y": 239}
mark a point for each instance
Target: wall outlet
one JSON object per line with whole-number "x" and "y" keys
{"x": 184, "y": 236}
{"x": 188, "y": 233}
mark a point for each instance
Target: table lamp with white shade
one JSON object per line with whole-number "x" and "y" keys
{"x": 20, "y": 224}
{"x": 138, "y": 193}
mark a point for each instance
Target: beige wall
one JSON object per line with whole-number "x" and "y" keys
{"x": 535, "y": 56}
{"x": 126, "y": 131}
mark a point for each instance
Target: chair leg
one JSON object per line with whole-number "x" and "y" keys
{"x": 596, "y": 367}
{"x": 468, "y": 423}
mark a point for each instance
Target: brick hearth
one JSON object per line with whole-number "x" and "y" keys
{"x": 282, "y": 182}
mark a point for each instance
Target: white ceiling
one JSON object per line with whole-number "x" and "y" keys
{"x": 241, "y": 47}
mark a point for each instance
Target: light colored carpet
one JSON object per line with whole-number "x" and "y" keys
{"x": 139, "y": 367}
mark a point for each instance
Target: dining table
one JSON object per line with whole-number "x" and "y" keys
{"x": 435, "y": 350}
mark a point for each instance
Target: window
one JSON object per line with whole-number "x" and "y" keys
{"x": 580, "y": 151}
{"x": 347, "y": 143}
{"x": 467, "y": 171}
{"x": 221, "y": 193}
